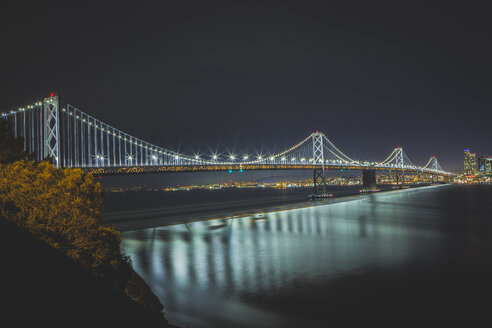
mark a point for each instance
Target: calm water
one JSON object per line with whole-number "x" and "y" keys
{"x": 404, "y": 258}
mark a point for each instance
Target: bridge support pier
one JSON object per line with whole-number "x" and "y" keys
{"x": 400, "y": 178}
{"x": 319, "y": 183}
{"x": 369, "y": 180}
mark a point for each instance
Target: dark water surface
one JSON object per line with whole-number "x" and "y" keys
{"x": 413, "y": 258}
{"x": 133, "y": 210}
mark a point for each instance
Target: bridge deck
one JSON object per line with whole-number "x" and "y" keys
{"x": 238, "y": 167}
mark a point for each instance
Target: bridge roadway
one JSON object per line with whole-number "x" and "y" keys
{"x": 128, "y": 170}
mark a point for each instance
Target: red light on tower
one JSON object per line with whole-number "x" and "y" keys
{"x": 52, "y": 94}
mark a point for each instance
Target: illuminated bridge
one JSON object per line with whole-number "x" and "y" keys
{"x": 72, "y": 138}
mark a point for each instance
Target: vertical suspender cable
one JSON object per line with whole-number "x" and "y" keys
{"x": 75, "y": 139}
{"x": 24, "y": 129}
{"x": 141, "y": 153}
{"x": 108, "y": 153}
{"x": 102, "y": 143}
{"x": 31, "y": 148}
{"x": 82, "y": 138}
{"x": 38, "y": 146}
{"x": 70, "y": 137}
{"x": 89, "y": 140}
{"x": 119, "y": 146}
{"x": 146, "y": 154}
{"x": 95, "y": 142}
{"x": 114, "y": 148}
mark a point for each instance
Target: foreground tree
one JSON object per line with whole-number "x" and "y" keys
{"x": 11, "y": 149}
{"x": 63, "y": 207}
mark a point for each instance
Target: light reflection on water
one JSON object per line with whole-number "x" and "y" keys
{"x": 205, "y": 272}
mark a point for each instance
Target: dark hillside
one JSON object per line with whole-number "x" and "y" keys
{"x": 42, "y": 287}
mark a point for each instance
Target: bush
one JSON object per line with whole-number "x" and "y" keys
{"x": 63, "y": 207}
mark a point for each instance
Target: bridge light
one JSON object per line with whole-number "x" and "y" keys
{"x": 259, "y": 157}
{"x": 293, "y": 159}
{"x": 272, "y": 158}
{"x": 232, "y": 157}
{"x": 283, "y": 158}
{"x": 245, "y": 157}
{"x": 197, "y": 157}
{"x": 214, "y": 157}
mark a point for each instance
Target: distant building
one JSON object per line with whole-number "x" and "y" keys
{"x": 485, "y": 164}
{"x": 470, "y": 166}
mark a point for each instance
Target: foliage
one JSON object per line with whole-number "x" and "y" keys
{"x": 11, "y": 149}
{"x": 63, "y": 207}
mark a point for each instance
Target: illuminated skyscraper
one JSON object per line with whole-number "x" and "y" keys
{"x": 485, "y": 164}
{"x": 470, "y": 166}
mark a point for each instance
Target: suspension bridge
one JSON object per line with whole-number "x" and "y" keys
{"x": 72, "y": 138}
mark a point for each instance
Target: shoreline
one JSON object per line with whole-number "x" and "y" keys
{"x": 175, "y": 215}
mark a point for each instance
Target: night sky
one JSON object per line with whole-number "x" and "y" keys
{"x": 261, "y": 75}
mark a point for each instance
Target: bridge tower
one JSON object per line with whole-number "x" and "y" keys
{"x": 400, "y": 172}
{"x": 435, "y": 166}
{"x": 51, "y": 129}
{"x": 319, "y": 177}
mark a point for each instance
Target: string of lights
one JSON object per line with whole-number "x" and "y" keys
{"x": 77, "y": 139}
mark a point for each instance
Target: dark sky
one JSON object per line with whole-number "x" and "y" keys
{"x": 247, "y": 75}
